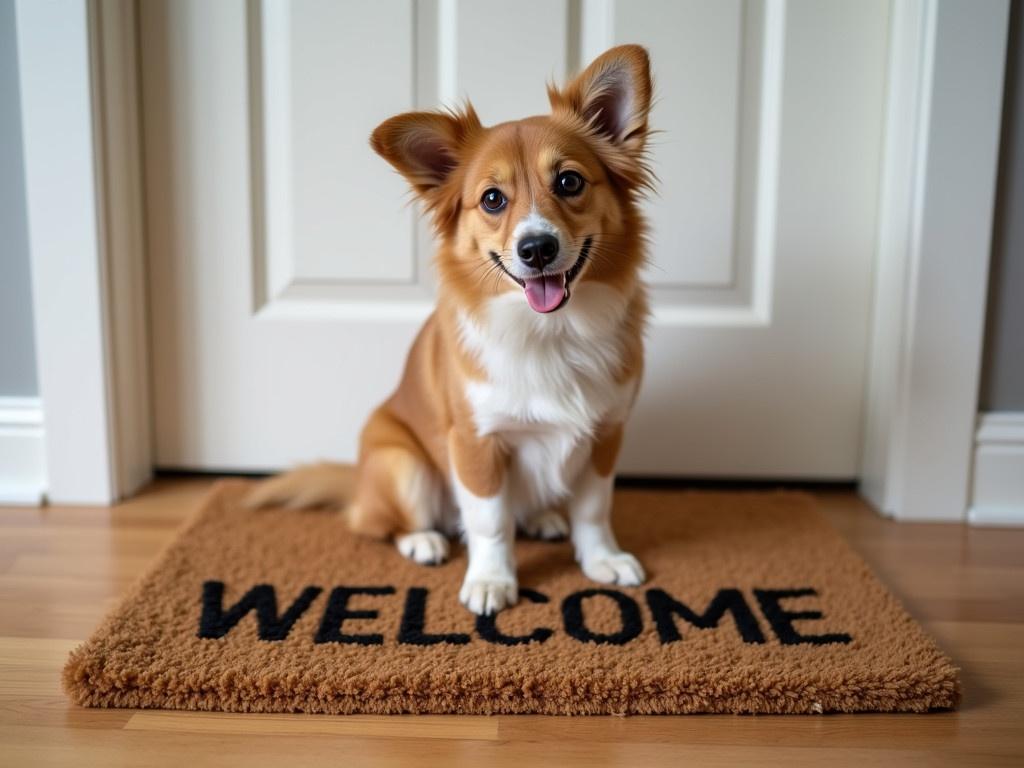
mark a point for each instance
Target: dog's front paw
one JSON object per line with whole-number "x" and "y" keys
{"x": 614, "y": 568}
{"x": 486, "y": 596}
{"x": 423, "y": 547}
{"x": 547, "y": 526}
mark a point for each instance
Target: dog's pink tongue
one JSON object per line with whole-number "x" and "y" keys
{"x": 546, "y": 292}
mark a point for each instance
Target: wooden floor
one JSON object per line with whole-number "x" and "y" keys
{"x": 62, "y": 568}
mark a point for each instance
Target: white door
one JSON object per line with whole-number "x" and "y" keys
{"x": 288, "y": 276}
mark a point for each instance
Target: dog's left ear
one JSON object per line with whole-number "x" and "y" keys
{"x": 613, "y": 96}
{"x": 425, "y": 146}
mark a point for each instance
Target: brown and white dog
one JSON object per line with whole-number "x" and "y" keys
{"x": 511, "y": 407}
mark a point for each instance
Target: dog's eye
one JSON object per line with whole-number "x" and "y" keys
{"x": 493, "y": 201}
{"x": 569, "y": 184}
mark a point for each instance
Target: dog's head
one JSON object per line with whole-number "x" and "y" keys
{"x": 539, "y": 206}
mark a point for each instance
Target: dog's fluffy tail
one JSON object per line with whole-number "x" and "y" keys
{"x": 313, "y": 485}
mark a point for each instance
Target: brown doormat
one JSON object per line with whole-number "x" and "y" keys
{"x": 753, "y": 604}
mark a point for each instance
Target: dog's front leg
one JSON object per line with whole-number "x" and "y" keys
{"x": 479, "y": 483}
{"x": 590, "y": 512}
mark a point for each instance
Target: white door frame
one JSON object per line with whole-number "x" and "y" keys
{"x": 82, "y": 167}
{"x": 947, "y": 60}
{"x": 77, "y": 66}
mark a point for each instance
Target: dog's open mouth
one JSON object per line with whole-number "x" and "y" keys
{"x": 548, "y": 292}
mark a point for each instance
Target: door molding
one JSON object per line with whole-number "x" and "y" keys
{"x": 77, "y": 67}
{"x": 22, "y": 463}
{"x": 997, "y": 488}
{"x": 83, "y": 170}
{"x": 947, "y": 59}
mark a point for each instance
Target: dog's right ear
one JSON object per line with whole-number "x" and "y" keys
{"x": 425, "y": 147}
{"x": 611, "y": 100}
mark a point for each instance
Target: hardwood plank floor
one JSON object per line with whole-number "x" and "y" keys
{"x": 61, "y": 568}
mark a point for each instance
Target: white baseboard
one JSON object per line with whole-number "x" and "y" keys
{"x": 22, "y": 451}
{"x": 997, "y": 496}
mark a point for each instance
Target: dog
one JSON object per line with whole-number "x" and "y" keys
{"x": 510, "y": 410}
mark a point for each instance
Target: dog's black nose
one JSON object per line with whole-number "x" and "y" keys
{"x": 538, "y": 251}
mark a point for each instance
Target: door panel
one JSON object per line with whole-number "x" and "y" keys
{"x": 288, "y": 275}
{"x": 318, "y": 110}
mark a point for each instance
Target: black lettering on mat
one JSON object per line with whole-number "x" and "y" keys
{"x": 337, "y": 611}
{"x": 782, "y": 620}
{"x": 665, "y": 608}
{"x": 487, "y": 626}
{"x": 576, "y": 626}
{"x": 215, "y": 622}
{"x": 411, "y": 631}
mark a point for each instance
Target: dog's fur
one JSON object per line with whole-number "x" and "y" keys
{"x": 509, "y": 415}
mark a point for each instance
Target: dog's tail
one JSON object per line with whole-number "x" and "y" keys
{"x": 314, "y": 485}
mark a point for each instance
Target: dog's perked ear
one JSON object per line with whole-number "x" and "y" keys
{"x": 612, "y": 98}
{"x": 426, "y": 148}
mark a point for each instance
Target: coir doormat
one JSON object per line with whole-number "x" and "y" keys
{"x": 753, "y": 604}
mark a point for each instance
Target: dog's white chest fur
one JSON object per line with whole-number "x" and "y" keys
{"x": 551, "y": 381}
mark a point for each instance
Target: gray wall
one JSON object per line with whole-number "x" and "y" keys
{"x": 1002, "y": 383}
{"x": 17, "y": 342}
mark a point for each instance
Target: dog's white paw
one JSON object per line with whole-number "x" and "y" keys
{"x": 486, "y": 596}
{"x": 548, "y": 526}
{"x": 615, "y": 568}
{"x": 423, "y": 547}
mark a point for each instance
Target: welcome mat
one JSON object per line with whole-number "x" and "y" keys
{"x": 753, "y": 604}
